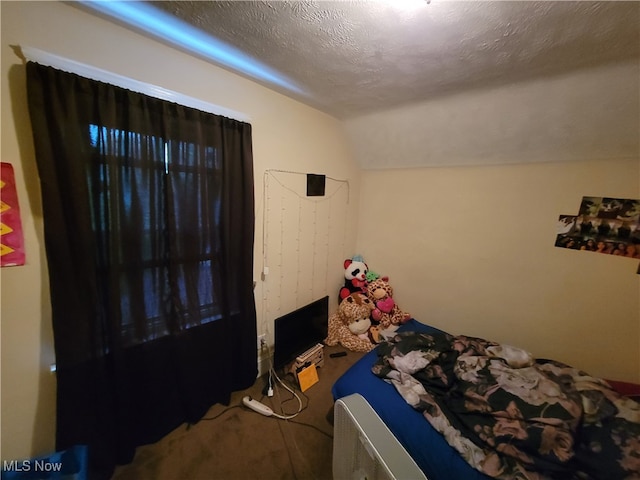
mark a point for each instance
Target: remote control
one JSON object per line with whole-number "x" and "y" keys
{"x": 256, "y": 406}
{"x": 338, "y": 354}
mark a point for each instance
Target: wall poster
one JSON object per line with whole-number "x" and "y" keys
{"x": 11, "y": 237}
{"x": 602, "y": 225}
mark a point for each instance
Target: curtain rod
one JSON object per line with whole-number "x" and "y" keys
{"x": 50, "y": 60}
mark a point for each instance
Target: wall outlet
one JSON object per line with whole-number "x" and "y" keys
{"x": 262, "y": 340}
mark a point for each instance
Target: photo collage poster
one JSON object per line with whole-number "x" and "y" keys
{"x": 602, "y": 225}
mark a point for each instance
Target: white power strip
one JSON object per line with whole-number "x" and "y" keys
{"x": 256, "y": 406}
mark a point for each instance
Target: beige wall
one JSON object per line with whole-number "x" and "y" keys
{"x": 286, "y": 135}
{"x": 482, "y": 259}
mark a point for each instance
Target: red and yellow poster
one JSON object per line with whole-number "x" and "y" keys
{"x": 11, "y": 237}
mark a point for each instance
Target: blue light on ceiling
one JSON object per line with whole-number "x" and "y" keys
{"x": 179, "y": 33}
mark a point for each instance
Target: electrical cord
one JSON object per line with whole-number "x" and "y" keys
{"x": 306, "y": 405}
{"x": 312, "y": 426}
{"x": 189, "y": 424}
{"x": 293, "y": 385}
{"x": 272, "y": 374}
{"x": 273, "y": 387}
{"x": 221, "y": 413}
{"x": 285, "y": 416}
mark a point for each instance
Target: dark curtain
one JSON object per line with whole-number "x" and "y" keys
{"x": 149, "y": 225}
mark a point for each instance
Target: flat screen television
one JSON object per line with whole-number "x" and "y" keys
{"x": 300, "y": 330}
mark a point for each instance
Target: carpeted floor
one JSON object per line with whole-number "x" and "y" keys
{"x": 235, "y": 443}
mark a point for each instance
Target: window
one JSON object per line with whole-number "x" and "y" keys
{"x": 130, "y": 167}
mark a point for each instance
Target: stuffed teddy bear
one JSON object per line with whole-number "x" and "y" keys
{"x": 350, "y": 326}
{"x": 386, "y": 311}
{"x": 355, "y": 277}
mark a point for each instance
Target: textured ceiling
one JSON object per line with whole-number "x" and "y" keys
{"x": 356, "y": 57}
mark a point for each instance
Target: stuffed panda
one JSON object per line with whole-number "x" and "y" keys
{"x": 355, "y": 277}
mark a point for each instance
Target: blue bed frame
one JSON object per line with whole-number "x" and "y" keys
{"x": 435, "y": 457}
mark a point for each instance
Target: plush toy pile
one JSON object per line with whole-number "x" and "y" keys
{"x": 366, "y": 308}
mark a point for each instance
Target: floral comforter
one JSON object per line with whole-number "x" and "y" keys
{"x": 511, "y": 416}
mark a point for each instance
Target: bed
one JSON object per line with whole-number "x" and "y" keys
{"x": 429, "y": 449}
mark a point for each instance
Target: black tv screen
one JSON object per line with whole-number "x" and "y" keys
{"x": 300, "y": 330}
